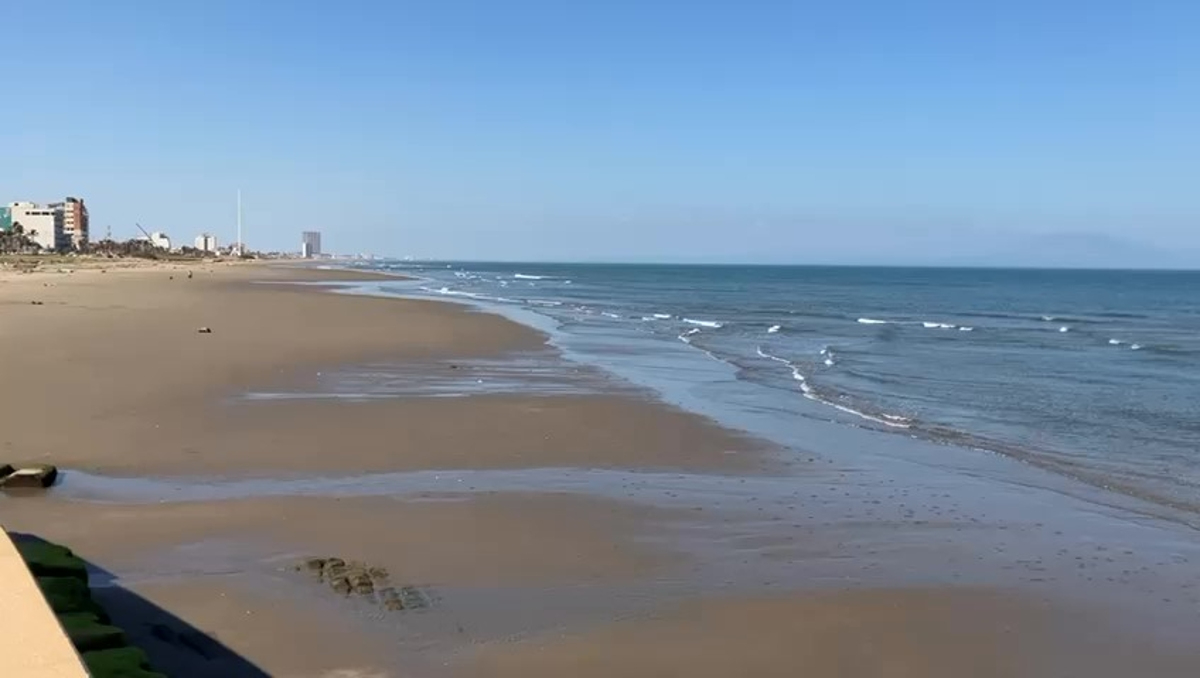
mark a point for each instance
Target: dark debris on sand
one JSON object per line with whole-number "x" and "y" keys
{"x": 356, "y": 578}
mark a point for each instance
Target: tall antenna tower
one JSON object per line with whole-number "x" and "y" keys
{"x": 240, "y": 248}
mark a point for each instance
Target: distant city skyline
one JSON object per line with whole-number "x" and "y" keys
{"x": 775, "y": 132}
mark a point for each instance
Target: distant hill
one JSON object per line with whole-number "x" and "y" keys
{"x": 1078, "y": 250}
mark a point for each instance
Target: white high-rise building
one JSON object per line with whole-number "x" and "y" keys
{"x": 42, "y": 223}
{"x": 206, "y": 242}
{"x": 310, "y": 244}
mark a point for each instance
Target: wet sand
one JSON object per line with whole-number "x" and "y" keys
{"x": 914, "y": 633}
{"x": 661, "y": 576}
{"x": 484, "y": 540}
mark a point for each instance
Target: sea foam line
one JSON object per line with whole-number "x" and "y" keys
{"x": 891, "y": 420}
{"x": 712, "y": 324}
{"x": 872, "y": 321}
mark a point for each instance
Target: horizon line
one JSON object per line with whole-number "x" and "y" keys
{"x": 614, "y": 262}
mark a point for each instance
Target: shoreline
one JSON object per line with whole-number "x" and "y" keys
{"x": 1071, "y": 469}
{"x": 664, "y": 507}
{"x": 1054, "y": 473}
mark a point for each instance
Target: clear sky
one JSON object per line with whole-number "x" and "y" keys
{"x": 886, "y": 130}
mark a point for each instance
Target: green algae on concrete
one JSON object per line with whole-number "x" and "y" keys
{"x": 51, "y": 560}
{"x": 88, "y": 633}
{"x": 68, "y": 594}
{"x": 124, "y": 662}
{"x": 63, "y": 579}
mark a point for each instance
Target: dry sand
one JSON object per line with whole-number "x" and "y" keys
{"x": 109, "y": 374}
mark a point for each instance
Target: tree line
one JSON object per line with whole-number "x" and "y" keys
{"x": 17, "y": 241}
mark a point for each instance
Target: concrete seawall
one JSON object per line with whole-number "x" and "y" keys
{"x": 32, "y": 642}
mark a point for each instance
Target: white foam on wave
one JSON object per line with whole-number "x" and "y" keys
{"x": 543, "y": 302}
{"x": 795, "y": 370}
{"x": 872, "y": 321}
{"x": 966, "y": 329}
{"x": 713, "y": 324}
{"x": 938, "y": 326}
{"x": 885, "y": 419}
{"x": 773, "y": 329}
{"x": 686, "y": 337}
{"x": 522, "y": 276}
{"x": 1049, "y": 318}
{"x": 1135, "y": 347}
{"x": 829, "y": 362}
{"x": 1115, "y": 342}
{"x": 606, "y": 314}
{"x": 768, "y": 356}
{"x": 452, "y": 293}
{"x": 891, "y": 420}
{"x": 662, "y": 316}
{"x": 1064, "y": 328}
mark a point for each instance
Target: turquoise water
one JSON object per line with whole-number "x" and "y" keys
{"x": 1092, "y": 374}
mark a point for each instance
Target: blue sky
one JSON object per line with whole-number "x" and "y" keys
{"x": 535, "y": 129}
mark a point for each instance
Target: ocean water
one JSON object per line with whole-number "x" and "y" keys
{"x": 1089, "y": 374}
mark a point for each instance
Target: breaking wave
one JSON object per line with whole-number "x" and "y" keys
{"x": 891, "y": 420}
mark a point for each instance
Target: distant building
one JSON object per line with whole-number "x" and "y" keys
{"x": 42, "y": 223}
{"x": 310, "y": 244}
{"x": 206, "y": 242}
{"x": 158, "y": 239}
{"x": 75, "y": 221}
{"x": 58, "y": 226}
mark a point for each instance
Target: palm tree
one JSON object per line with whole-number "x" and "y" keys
{"x": 14, "y": 240}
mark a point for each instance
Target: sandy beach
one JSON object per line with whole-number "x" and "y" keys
{"x": 196, "y": 503}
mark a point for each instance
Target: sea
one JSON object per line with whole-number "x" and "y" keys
{"x": 1090, "y": 375}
